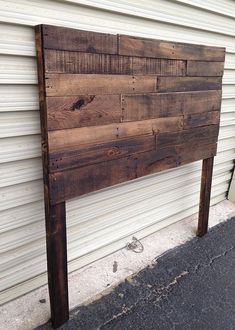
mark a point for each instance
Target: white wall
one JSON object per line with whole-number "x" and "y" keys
{"x": 101, "y": 222}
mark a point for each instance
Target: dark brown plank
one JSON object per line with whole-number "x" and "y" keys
{"x": 205, "y": 134}
{"x": 206, "y": 69}
{"x": 62, "y": 139}
{"x": 201, "y": 119}
{"x": 83, "y": 110}
{"x": 75, "y": 84}
{"x": 137, "y": 46}
{"x": 181, "y": 84}
{"x": 98, "y": 153}
{"x": 172, "y": 156}
{"x": 57, "y": 61}
{"x": 55, "y": 37}
{"x": 76, "y": 182}
{"x": 57, "y": 262}
{"x": 55, "y": 217}
{"x": 153, "y": 105}
{"x": 204, "y": 207}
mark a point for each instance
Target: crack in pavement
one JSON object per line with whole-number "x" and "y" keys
{"x": 162, "y": 292}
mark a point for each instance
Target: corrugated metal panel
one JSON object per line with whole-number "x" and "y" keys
{"x": 101, "y": 222}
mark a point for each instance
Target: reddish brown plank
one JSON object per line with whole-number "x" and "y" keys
{"x": 75, "y": 182}
{"x": 206, "y": 69}
{"x": 153, "y": 105}
{"x": 97, "y": 153}
{"x": 61, "y": 139}
{"x": 201, "y": 119}
{"x": 57, "y": 61}
{"x": 205, "y": 134}
{"x": 83, "y": 110}
{"x": 55, "y": 37}
{"x": 181, "y": 84}
{"x": 136, "y": 46}
{"x": 75, "y": 84}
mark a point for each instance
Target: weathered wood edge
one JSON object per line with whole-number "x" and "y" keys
{"x": 55, "y": 215}
{"x": 205, "y": 194}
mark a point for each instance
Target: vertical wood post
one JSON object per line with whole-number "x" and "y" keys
{"x": 57, "y": 262}
{"x": 207, "y": 169}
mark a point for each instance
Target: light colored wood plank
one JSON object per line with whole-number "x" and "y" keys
{"x": 75, "y": 84}
{"x": 62, "y": 139}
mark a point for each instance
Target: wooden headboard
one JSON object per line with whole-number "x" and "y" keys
{"x": 115, "y": 108}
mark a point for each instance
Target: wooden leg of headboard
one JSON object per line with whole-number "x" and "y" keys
{"x": 207, "y": 169}
{"x": 57, "y": 262}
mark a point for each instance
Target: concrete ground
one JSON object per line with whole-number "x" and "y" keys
{"x": 189, "y": 287}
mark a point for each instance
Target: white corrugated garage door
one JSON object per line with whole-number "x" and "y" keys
{"x": 102, "y": 222}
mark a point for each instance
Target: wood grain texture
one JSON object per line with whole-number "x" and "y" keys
{"x": 57, "y": 61}
{"x": 154, "y": 105}
{"x": 57, "y": 262}
{"x": 63, "y": 139}
{"x": 78, "y": 40}
{"x": 134, "y": 46}
{"x": 55, "y": 215}
{"x": 75, "y": 182}
{"x": 205, "y": 193}
{"x": 201, "y": 119}
{"x": 204, "y": 134}
{"x": 205, "y": 69}
{"x": 181, "y": 84}
{"x": 83, "y": 110}
{"x": 102, "y": 152}
{"x": 74, "y": 84}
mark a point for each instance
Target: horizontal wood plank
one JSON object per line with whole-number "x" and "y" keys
{"x": 76, "y": 182}
{"x": 201, "y": 68}
{"x": 83, "y": 110}
{"x": 97, "y": 153}
{"x": 202, "y": 119}
{"x": 57, "y": 61}
{"x": 75, "y": 84}
{"x": 153, "y": 105}
{"x": 78, "y": 40}
{"x": 205, "y": 134}
{"x": 181, "y": 84}
{"x": 135, "y": 46}
{"x": 62, "y": 139}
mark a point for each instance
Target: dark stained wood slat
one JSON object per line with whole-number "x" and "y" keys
{"x": 181, "y": 84}
{"x": 205, "y": 134}
{"x": 55, "y": 215}
{"x": 57, "y": 262}
{"x": 97, "y": 153}
{"x": 205, "y": 193}
{"x": 83, "y": 110}
{"x": 202, "y": 119}
{"x": 57, "y": 61}
{"x": 75, "y": 84}
{"x": 78, "y": 40}
{"x": 61, "y": 139}
{"x": 201, "y": 68}
{"x": 153, "y": 105}
{"x": 75, "y": 182}
{"x": 137, "y": 46}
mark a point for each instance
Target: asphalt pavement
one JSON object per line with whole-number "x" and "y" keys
{"x": 190, "y": 287}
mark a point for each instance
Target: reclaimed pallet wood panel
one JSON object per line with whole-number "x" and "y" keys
{"x": 115, "y": 108}
{"x": 137, "y": 46}
{"x": 92, "y": 63}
